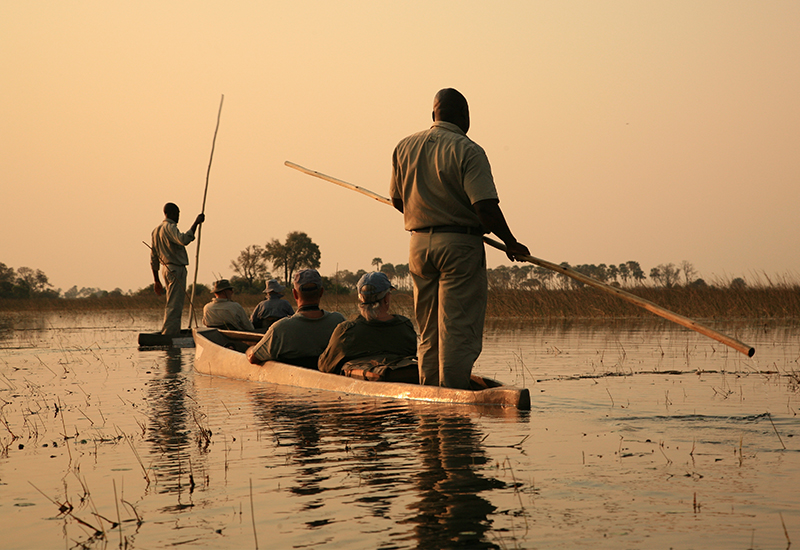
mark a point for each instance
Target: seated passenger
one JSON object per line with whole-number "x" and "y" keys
{"x": 273, "y": 308}
{"x": 299, "y": 339}
{"x": 222, "y": 312}
{"x": 376, "y": 339}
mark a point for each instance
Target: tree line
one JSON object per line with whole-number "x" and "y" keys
{"x": 25, "y": 283}
{"x": 256, "y": 264}
{"x": 626, "y": 274}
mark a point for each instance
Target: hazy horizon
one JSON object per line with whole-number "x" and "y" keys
{"x": 657, "y": 132}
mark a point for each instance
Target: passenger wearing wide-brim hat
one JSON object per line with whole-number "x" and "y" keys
{"x": 274, "y": 287}
{"x": 273, "y": 308}
{"x": 376, "y": 336}
{"x": 223, "y": 312}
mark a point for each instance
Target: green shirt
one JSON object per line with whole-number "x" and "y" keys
{"x": 297, "y": 337}
{"x": 384, "y": 341}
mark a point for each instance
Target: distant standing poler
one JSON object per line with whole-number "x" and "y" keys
{"x": 169, "y": 252}
{"x": 443, "y": 185}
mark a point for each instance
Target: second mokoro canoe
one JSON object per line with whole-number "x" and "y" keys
{"x": 220, "y": 353}
{"x": 157, "y": 340}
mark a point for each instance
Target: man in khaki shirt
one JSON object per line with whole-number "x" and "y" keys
{"x": 169, "y": 251}
{"x": 442, "y": 183}
{"x": 223, "y": 312}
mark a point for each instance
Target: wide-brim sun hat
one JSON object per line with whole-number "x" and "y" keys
{"x": 222, "y": 284}
{"x": 274, "y": 286}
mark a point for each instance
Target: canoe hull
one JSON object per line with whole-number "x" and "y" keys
{"x": 211, "y": 357}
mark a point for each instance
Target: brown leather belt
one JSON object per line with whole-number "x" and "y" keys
{"x": 451, "y": 229}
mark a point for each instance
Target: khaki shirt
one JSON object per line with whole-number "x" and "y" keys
{"x": 222, "y": 313}
{"x": 169, "y": 245}
{"x": 439, "y": 174}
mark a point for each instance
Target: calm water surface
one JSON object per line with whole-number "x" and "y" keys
{"x": 640, "y": 436}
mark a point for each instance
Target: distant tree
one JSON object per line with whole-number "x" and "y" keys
{"x": 738, "y": 283}
{"x": 520, "y": 275}
{"x": 689, "y": 272}
{"x": 635, "y": 271}
{"x": 200, "y": 290}
{"x": 7, "y": 274}
{"x": 389, "y": 270}
{"x": 565, "y": 281}
{"x": 90, "y": 292}
{"x": 666, "y": 275}
{"x": 246, "y": 286}
{"x": 333, "y": 285}
{"x": 298, "y": 252}
{"x": 594, "y": 271}
{"x": 377, "y": 263}
{"x": 345, "y": 278}
{"x": 35, "y": 280}
{"x": 624, "y": 273}
{"x": 698, "y": 283}
{"x": 498, "y": 278}
{"x": 401, "y": 273}
{"x": 613, "y": 273}
{"x": 25, "y": 283}
{"x": 251, "y": 265}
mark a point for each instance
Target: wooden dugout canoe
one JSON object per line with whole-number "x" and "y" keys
{"x": 214, "y": 358}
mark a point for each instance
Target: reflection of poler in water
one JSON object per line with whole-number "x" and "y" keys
{"x": 374, "y": 340}
{"x": 168, "y": 415}
{"x": 443, "y": 502}
{"x": 169, "y": 250}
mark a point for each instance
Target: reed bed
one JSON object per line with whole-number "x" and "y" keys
{"x": 762, "y": 302}
{"x": 699, "y": 303}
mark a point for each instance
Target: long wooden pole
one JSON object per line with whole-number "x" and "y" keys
{"x": 569, "y": 272}
{"x": 192, "y": 317}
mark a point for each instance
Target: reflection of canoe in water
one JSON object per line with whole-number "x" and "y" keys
{"x": 219, "y": 353}
{"x": 156, "y": 339}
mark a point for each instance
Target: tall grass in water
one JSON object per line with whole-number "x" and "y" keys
{"x": 768, "y": 302}
{"x": 764, "y": 301}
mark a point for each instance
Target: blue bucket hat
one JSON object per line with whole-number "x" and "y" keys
{"x": 372, "y": 287}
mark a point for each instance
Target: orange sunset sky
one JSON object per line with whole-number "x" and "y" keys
{"x": 624, "y": 130}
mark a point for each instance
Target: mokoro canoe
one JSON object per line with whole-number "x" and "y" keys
{"x": 214, "y": 358}
{"x": 158, "y": 340}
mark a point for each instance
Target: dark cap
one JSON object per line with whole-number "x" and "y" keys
{"x": 307, "y": 279}
{"x": 372, "y": 287}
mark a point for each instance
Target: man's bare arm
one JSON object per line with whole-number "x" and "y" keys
{"x": 494, "y": 221}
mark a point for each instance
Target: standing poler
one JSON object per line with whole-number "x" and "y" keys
{"x": 442, "y": 183}
{"x": 169, "y": 251}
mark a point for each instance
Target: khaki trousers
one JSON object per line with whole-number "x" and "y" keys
{"x": 450, "y": 290}
{"x": 175, "y": 278}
